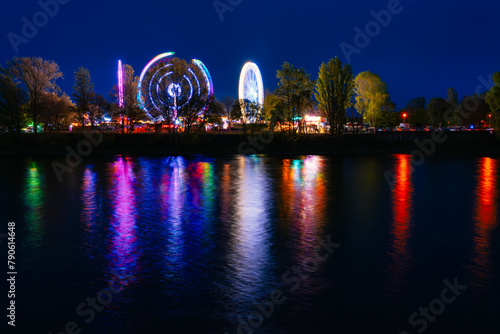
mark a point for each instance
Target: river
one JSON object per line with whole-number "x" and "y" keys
{"x": 255, "y": 244}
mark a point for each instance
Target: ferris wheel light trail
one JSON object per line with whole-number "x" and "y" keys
{"x": 145, "y": 70}
{"x": 206, "y": 75}
{"x": 251, "y": 87}
{"x": 120, "y": 84}
{"x": 163, "y": 93}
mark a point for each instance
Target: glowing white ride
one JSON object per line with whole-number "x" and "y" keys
{"x": 159, "y": 89}
{"x": 251, "y": 89}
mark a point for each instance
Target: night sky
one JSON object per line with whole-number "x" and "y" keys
{"x": 426, "y": 48}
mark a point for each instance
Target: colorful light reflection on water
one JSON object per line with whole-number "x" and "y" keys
{"x": 402, "y": 199}
{"x": 91, "y": 210}
{"x": 205, "y": 237}
{"x": 485, "y": 217}
{"x": 401, "y": 228}
{"x": 123, "y": 253}
{"x": 172, "y": 192}
{"x": 303, "y": 197}
{"x": 303, "y": 217}
{"x": 34, "y": 201}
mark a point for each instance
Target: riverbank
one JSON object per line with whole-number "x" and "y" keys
{"x": 467, "y": 142}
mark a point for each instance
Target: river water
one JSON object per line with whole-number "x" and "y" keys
{"x": 255, "y": 244}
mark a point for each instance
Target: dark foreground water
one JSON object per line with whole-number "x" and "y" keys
{"x": 255, "y": 245}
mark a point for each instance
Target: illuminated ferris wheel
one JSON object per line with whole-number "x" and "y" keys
{"x": 163, "y": 90}
{"x": 251, "y": 89}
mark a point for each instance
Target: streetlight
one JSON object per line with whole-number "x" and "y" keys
{"x": 404, "y": 120}
{"x": 489, "y": 120}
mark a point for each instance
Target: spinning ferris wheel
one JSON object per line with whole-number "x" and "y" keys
{"x": 251, "y": 89}
{"x": 164, "y": 90}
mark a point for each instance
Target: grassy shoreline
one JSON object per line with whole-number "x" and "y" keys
{"x": 468, "y": 142}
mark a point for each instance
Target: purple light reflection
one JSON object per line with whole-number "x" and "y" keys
{"x": 172, "y": 200}
{"x": 123, "y": 254}
{"x": 90, "y": 206}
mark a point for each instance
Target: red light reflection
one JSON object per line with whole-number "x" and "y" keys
{"x": 401, "y": 229}
{"x": 402, "y": 200}
{"x": 485, "y": 215}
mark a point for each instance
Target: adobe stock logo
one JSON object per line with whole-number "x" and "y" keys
{"x": 225, "y": 6}
{"x": 436, "y": 307}
{"x": 30, "y": 28}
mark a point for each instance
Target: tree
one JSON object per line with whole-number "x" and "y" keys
{"x": 228, "y": 102}
{"x": 96, "y": 109}
{"x": 295, "y": 90}
{"x": 334, "y": 90}
{"x": 452, "y": 116}
{"x": 452, "y": 98}
{"x": 131, "y": 108}
{"x": 474, "y": 110}
{"x": 371, "y": 96}
{"x": 167, "y": 106}
{"x": 269, "y": 108}
{"x": 56, "y": 111}
{"x": 389, "y": 118}
{"x": 251, "y": 111}
{"x": 236, "y": 111}
{"x": 471, "y": 110}
{"x": 38, "y": 76}
{"x": 493, "y": 101}
{"x": 246, "y": 112}
{"x": 13, "y": 98}
{"x": 83, "y": 92}
{"x": 214, "y": 112}
{"x": 436, "y": 111}
{"x": 352, "y": 115}
{"x": 417, "y": 112}
{"x": 273, "y": 110}
{"x": 193, "y": 109}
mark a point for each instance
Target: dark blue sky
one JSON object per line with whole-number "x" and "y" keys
{"x": 426, "y": 48}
